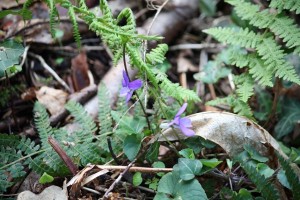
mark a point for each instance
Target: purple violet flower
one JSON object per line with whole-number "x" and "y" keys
{"x": 182, "y": 123}
{"x": 129, "y": 87}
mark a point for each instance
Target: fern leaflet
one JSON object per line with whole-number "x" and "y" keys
{"x": 292, "y": 177}
{"x": 282, "y": 26}
{"x": 104, "y": 115}
{"x": 292, "y": 5}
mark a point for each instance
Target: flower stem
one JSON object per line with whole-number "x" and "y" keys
{"x": 142, "y": 106}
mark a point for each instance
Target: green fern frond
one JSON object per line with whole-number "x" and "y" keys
{"x": 130, "y": 26}
{"x": 86, "y": 155}
{"x": 157, "y": 55}
{"x": 235, "y": 36}
{"x": 292, "y": 177}
{"x": 118, "y": 54}
{"x": 136, "y": 60}
{"x": 53, "y": 15}
{"x": 245, "y": 89}
{"x": 292, "y": 5}
{"x": 73, "y": 19}
{"x": 107, "y": 14}
{"x": 267, "y": 48}
{"x": 174, "y": 89}
{"x": 26, "y": 5}
{"x": 42, "y": 123}
{"x": 82, "y": 5}
{"x": 258, "y": 69}
{"x": 238, "y": 106}
{"x": 267, "y": 190}
{"x": 82, "y": 117}
{"x": 282, "y": 26}
{"x": 104, "y": 114}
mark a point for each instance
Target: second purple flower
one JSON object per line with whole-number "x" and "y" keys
{"x": 184, "y": 124}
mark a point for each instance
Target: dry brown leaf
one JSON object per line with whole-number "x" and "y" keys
{"x": 228, "y": 130}
{"x": 53, "y": 99}
{"x": 50, "y": 193}
{"x": 80, "y": 69}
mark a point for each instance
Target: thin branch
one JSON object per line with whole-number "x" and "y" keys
{"x": 118, "y": 179}
{"x": 63, "y": 155}
{"x": 135, "y": 169}
{"x": 196, "y": 46}
{"x": 51, "y": 71}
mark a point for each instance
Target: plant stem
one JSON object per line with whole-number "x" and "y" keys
{"x": 142, "y": 106}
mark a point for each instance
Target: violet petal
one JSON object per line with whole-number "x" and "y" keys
{"x": 136, "y": 84}
{"x": 125, "y": 81}
{"x": 129, "y": 95}
{"x": 186, "y": 131}
{"x": 124, "y": 91}
{"x": 181, "y": 110}
{"x": 186, "y": 122}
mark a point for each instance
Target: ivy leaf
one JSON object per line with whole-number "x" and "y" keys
{"x": 137, "y": 179}
{"x": 131, "y": 146}
{"x": 208, "y": 7}
{"x": 172, "y": 184}
{"x": 264, "y": 170}
{"x": 212, "y": 72}
{"x": 187, "y": 153}
{"x": 10, "y": 51}
{"x": 290, "y": 115}
{"x": 254, "y": 154}
{"x": 212, "y": 163}
{"x": 152, "y": 152}
{"x": 131, "y": 125}
{"x": 283, "y": 179}
{"x": 46, "y": 178}
{"x": 159, "y": 164}
{"x": 187, "y": 168}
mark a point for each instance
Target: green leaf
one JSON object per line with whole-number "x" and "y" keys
{"x": 194, "y": 143}
{"x": 10, "y": 52}
{"x": 46, "y": 178}
{"x": 283, "y": 179}
{"x": 26, "y": 14}
{"x": 290, "y": 115}
{"x": 152, "y": 152}
{"x": 131, "y": 146}
{"x": 211, "y": 163}
{"x": 132, "y": 125}
{"x": 171, "y": 184}
{"x": 264, "y": 170}
{"x": 208, "y": 7}
{"x": 187, "y": 153}
{"x": 212, "y": 72}
{"x": 187, "y": 168}
{"x": 159, "y": 164}
{"x": 137, "y": 179}
{"x": 254, "y": 154}
{"x": 295, "y": 155}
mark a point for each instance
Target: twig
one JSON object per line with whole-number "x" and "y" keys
{"x": 277, "y": 88}
{"x": 135, "y": 169}
{"x": 113, "y": 155}
{"x": 51, "y": 71}
{"x": 118, "y": 179}
{"x": 62, "y": 154}
{"x": 196, "y": 46}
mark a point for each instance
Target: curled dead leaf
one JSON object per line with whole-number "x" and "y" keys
{"x": 228, "y": 130}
